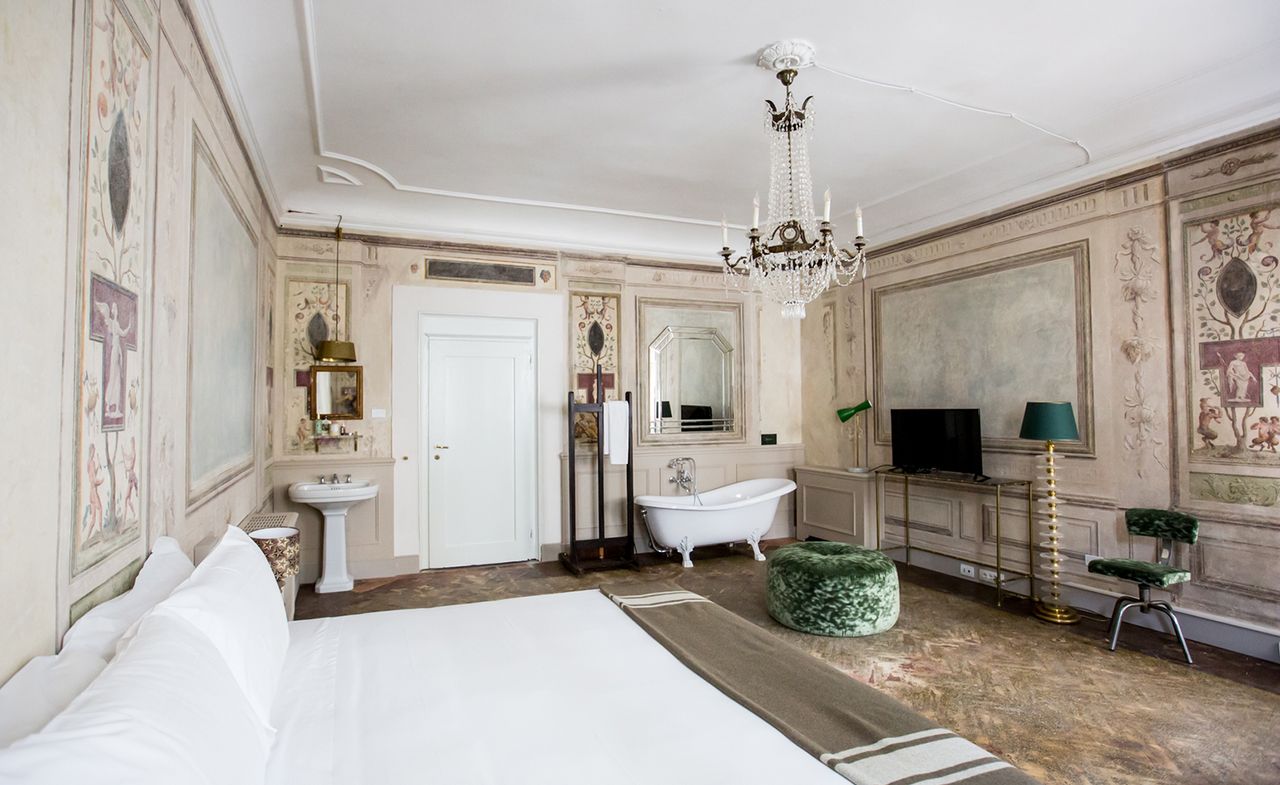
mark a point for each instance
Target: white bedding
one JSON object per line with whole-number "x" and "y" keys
{"x": 560, "y": 688}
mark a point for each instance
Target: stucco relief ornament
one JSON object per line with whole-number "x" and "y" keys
{"x": 1232, "y": 165}
{"x": 1135, "y": 264}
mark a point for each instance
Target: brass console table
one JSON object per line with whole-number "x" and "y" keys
{"x": 996, "y": 483}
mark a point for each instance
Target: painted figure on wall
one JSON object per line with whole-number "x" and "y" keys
{"x": 1235, "y": 309}
{"x": 92, "y": 523}
{"x": 594, "y": 319}
{"x": 113, "y": 322}
{"x": 1206, "y": 418}
{"x": 1239, "y": 375}
{"x": 113, "y": 264}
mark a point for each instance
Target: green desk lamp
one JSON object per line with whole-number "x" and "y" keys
{"x": 846, "y": 414}
{"x": 1049, "y": 422}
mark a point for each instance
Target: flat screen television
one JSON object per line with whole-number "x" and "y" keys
{"x": 944, "y": 440}
{"x": 694, "y": 417}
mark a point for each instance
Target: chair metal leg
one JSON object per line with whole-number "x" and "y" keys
{"x": 1123, "y": 604}
{"x": 1167, "y": 610}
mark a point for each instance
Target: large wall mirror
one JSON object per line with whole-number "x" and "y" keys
{"x": 337, "y": 392}
{"x": 691, "y": 369}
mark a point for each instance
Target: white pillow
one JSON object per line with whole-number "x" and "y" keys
{"x": 167, "y": 710}
{"x": 44, "y": 687}
{"x": 232, "y": 598}
{"x": 99, "y": 630}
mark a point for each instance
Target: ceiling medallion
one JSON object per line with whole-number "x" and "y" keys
{"x": 794, "y": 258}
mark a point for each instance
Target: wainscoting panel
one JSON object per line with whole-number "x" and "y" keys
{"x": 1235, "y": 571}
{"x": 370, "y": 550}
{"x": 833, "y": 504}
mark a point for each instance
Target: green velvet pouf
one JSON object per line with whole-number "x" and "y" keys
{"x": 830, "y": 588}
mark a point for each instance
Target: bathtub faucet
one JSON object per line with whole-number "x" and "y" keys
{"x": 685, "y": 479}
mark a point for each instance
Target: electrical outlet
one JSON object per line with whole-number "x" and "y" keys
{"x": 989, "y": 576}
{"x": 966, "y": 570}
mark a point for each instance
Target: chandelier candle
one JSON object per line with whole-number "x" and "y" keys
{"x": 793, "y": 258}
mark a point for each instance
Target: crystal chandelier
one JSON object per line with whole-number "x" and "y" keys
{"x": 794, "y": 257}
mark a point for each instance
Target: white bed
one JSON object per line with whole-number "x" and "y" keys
{"x": 559, "y": 688}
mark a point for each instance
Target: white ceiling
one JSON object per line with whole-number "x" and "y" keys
{"x": 633, "y": 126}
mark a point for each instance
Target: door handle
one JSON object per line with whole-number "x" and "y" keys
{"x": 441, "y": 446}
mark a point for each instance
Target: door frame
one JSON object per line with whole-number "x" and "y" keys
{"x": 478, "y": 328}
{"x": 398, "y": 437}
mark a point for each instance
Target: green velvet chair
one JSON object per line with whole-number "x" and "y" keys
{"x": 1167, "y": 527}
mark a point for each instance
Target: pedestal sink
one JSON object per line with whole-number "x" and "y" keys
{"x": 333, "y": 500}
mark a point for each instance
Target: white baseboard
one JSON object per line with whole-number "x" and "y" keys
{"x": 1230, "y": 634}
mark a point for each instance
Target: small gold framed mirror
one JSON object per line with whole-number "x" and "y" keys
{"x": 337, "y": 392}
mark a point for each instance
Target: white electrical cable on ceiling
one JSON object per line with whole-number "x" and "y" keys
{"x": 1088, "y": 157}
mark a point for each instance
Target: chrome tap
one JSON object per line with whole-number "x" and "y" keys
{"x": 324, "y": 480}
{"x": 334, "y": 479}
{"x": 684, "y": 479}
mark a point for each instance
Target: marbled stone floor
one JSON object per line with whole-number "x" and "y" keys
{"x": 1051, "y": 700}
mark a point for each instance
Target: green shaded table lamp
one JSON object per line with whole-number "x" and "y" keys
{"x": 846, "y": 414}
{"x": 1049, "y": 422}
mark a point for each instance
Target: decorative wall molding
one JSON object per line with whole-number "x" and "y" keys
{"x": 335, "y": 176}
{"x": 1235, "y": 489}
{"x": 1231, "y": 165}
{"x": 936, "y": 514}
{"x": 1135, "y": 266}
{"x": 1098, "y": 200}
{"x": 199, "y": 18}
{"x": 311, "y": 67}
{"x": 654, "y": 276}
{"x": 1205, "y": 572}
{"x": 889, "y": 309}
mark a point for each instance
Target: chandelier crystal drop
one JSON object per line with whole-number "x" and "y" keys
{"x": 793, "y": 258}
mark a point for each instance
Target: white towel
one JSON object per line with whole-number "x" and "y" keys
{"x": 615, "y": 420}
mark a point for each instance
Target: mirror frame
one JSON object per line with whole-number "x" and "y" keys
{"x": 358, "y": 370}
{"x": 644, "y": 306}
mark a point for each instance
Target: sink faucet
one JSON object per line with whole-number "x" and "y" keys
{"x": 334, "y": 478}
{"x": 685, "y": 479}
{"x": 324, "y": 480}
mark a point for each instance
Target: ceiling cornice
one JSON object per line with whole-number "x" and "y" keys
{"x": 1177, "y": 160}
{"x": 301, "y": 223}
{"x": 311, "y": 67}
{"x": 208, "y": 39}
{"x": 547, "y": 254}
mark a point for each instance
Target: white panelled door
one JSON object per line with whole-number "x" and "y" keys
{"x": 480, "y": 450}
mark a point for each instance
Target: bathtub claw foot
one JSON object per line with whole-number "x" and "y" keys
{"x": 685, "y": 549}
{"x": 754, "y": 540}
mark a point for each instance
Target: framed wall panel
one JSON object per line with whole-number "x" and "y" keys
{"x": 222, "y": 335}
{"x": 990, "y": 337}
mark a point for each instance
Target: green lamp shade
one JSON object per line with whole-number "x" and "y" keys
{"x": 336, "y": 352}
{"x": 1049, "y": 421}
{"x": 847, "y": 413}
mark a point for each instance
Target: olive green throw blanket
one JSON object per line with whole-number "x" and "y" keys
{"x": 865, "y": 735}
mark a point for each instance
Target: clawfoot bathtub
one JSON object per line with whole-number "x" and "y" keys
{"x": 741, "y": 512}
